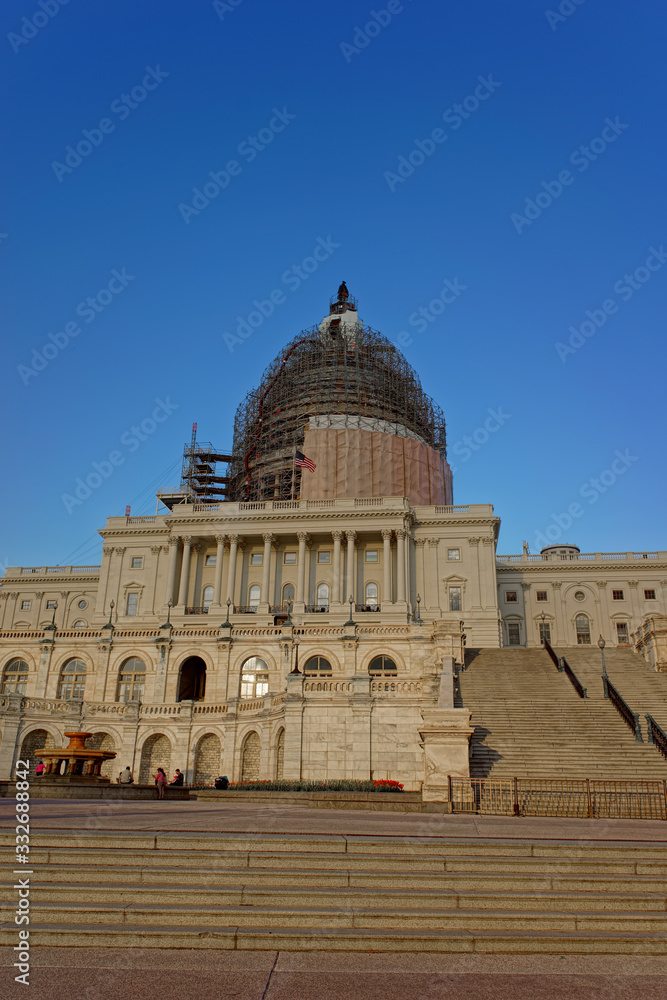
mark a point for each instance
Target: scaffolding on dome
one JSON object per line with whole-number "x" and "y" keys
{"x": 200, "y": 481}
{"x": 324, "y": 371}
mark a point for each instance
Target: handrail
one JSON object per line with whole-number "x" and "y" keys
{"x": 629, "y": 717}
{"x": 656, "y": 735}
{"x": 550, "y": 650}
{"x": 564, "y": 667}
{"x": 574, "y": 680}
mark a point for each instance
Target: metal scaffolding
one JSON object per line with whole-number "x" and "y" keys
{"x": 329, "y": 371}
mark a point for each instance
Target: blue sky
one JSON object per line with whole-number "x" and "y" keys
{"x": 170, "y": 93}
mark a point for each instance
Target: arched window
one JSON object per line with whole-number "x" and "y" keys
{"x": 254, "y": 678}
{"x": 317, "y": 665}
{"x": 79, "y": 624}
{"x": 583, "y": 627}
{"x": 323, "y": 597}
{"x": 288, "y": 593}
{"x": 382, "y": 666}
{"x": 131, "y": 680}
{"x": 207, "y": 597}
{"x": 253, "y": 596}
{"x": 72, "y": 679}
{"x": 15, "y": 677}
{"x": 371, "y": 595}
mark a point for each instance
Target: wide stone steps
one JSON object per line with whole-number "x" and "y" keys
{"x": 342, "y": 893}
{"x": 530, "y": 722}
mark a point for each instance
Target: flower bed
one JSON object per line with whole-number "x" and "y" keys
{"x": 336, "y": 785}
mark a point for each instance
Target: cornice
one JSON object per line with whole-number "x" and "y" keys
{"x": 576, "y": 568}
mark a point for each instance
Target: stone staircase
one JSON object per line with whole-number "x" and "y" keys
{"x": 352, "y": 893}
{"x": 529, "y": 721}
{"x": 643, "y": 688}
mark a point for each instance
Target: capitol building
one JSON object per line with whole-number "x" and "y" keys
{"x": 308, "y": 605}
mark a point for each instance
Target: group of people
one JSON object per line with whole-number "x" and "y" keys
{"x": 126, "y": 778}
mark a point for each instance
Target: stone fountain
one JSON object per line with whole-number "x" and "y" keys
{"x": 80, "y": 763}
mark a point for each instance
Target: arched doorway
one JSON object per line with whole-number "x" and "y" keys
{"x": 38, "y": 739}
{"x": 156, "y": 752}
{"x": 103, "y": 741}
{"x": 280, "y": 754}
{"x": 192, "y": 680}
{"x": 207, "y": 759}
{"x": 250, "y": 757}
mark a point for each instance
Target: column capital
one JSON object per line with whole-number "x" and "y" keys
{"x": 525, "y": 587}
{"x": 156, "y": 549}
{"x": 234, "y": 539}
{"x": 400, "y": 532}
{"x": 601, "y": 584}
{"x": 420, "y": 542}
{"x": 487, "y": 541}
{"x": 196, "y": 546}
{"x": 174, "y": 539}
{"x": 557, "y": 584}
{"x": 386, "y": 533}
{"x": 475, "y": 540}
{"x": 433, "y": 542}
{"x": 267, "y": 536}
{"x": 186, "y": 539}
{"x": 107, "y": 550}
{"x": 119, "y": 548}
{"x": 633, "y": 584}
{"x": 336, "y": 535}
{"x": 39, "y": 594}
{"x": 220, "y": 539}
{"x": 303, "y": 536}
{"x": 241, "y": 543}
{"x": 275, "y": 542}
{"x": 351, "y": 536}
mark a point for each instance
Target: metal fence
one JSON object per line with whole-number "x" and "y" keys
{"x": 585, "y": 797}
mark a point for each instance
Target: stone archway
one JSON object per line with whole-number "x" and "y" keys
{"x": 156, "y": 752}
{"x": 250, "y": 757}
{"x": 104, "y": 741}
{"x": 192, "y": 679}
{"x": 38, "y": 739}
{"x": 280, "y": 754}
{"x": 207, "y": 759}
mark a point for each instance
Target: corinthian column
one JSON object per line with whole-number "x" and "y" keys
{"x": 386, "y": 567}
{"x": 185, "y": 570}
{"x": 336, "y": 597}
{"x": 231, "y": 575}
{"x": 217, "y": 583}
{"x": 400, "y": 566}
{"x": 171, "y": 574}
{"x": 351, "y": 589}
{"x": 301, "y": 570}
{"x": 266, "y": 572}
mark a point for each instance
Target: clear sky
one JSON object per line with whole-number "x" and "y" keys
{"x": 515, "y": 153}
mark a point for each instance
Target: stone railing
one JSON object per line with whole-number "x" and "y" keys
{"x": 383, "y": 687}
{"x": 582, "y": 557}
{"x": 326, "y": 687}
{"x": 60, "y": 570}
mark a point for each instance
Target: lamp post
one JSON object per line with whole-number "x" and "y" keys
{"x": 542, "y": 616}
{"x": 167, "y": 624}
{"x": 52, "y": 626}
{"x": 350, "y": 620}
{"x": 227, "y": 623}
{"x": 605, "y": 677}
{"x": 418, "y": 619}
{"x": 288, "y": 620}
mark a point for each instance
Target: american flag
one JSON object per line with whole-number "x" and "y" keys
{"x": 304, "y": 462}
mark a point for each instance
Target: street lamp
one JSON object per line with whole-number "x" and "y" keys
{"x": 418, "y": 619}
{"x": 350, "y": 620}
{"x": 170, "y": 605}
{"x": 227, "y": 623}
{"x": 605, "y": 677}
{"x": 52, "y": 626}
{"x": 542, "y": 616}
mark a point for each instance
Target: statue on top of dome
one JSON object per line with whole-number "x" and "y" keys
{"x": 343, "y": 293}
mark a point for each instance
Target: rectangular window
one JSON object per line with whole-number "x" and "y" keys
{"x": 25, "y": 605}
{"x": 132, "y": 604}
{"x": 454, "y": 598}
{"x": 649, "y": 595}
{"x": 510, "y": 597}
{"x": 617, "y": 595}
{"x": 454, "y": 554}
{"x": 324, "y": 557}
{"x": 137, "y": 562}
{"x": 545, "y": 632}
{"x": 51, "y": 605}
{"x": 290, "y": 558}
{"x": 256, "y": 559}
{"x": 211, "y": 560}
{"x": 622, "y": 633}
{"x": 541, "y": 595}
{"x": 514, "y": 634}
{"x": 371, "y": 555}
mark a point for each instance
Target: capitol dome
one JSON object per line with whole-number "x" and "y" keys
{"x": 344, "y": 396}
